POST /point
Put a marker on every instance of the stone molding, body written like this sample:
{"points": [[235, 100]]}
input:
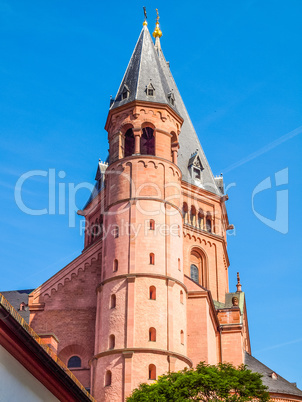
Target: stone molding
{"points": [[142, 350], [137, 110], [188, 228], [143, 158], [131, 277], [81, 263]]}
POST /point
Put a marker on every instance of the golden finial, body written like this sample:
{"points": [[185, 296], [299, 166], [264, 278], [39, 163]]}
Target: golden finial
{"points": [[145, 23], [157, 32]]}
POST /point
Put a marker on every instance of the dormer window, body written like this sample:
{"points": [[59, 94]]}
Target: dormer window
{"points": [[125, 92], [171, 98], [150, 90], [195, 167], [196, 173]]}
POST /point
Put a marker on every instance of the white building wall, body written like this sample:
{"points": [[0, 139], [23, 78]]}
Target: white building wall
{"points": [[18, 384]]}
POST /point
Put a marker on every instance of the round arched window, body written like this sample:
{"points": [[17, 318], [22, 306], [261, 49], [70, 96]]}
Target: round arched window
{"points": [[74, 362], [194, 273]]}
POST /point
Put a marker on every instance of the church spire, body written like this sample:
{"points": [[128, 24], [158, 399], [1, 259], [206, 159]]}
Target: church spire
{"points": [[148, 78], [144, 79]]}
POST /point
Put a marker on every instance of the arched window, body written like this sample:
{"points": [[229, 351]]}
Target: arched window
{"points": [[152, 292], [112, 301], [97, 227], [92, 233], [179, 265], [129, 143], [209, 224], [147, 142], [22, 306], [152, 372], [115, 265], [111, 342], [152, 224], [152, 259], [101, 225], [74, 362], [198, 267], [115, 232], [181, 296], [194, 273], [108, 378], [185, 212], [182, 337], [174, 147], [152, 334]]}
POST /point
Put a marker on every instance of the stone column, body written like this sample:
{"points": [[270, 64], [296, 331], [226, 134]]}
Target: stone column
{"points": [[137, 140], [175, 148]]}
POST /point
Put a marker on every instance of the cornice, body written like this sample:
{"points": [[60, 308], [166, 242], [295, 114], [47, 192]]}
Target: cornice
{"points": [[136, 103], [141, 275], [81, 263], [142, 350]]}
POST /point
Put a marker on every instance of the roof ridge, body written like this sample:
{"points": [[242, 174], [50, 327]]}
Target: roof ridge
{"points": [[210, 180], [126, 71], [145, 28]]}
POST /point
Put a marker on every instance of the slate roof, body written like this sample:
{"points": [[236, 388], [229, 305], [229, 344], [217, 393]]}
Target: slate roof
{"points": [[188, 139], [143, 68], [279, 385], [16, 297], [148, 64]]}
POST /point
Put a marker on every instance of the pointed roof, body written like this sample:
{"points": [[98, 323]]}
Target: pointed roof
{"points": [[144, 71], [189, 144], [148, 65]]}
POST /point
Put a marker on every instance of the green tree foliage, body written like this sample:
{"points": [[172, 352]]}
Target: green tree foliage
{"points": [[206, 383]]}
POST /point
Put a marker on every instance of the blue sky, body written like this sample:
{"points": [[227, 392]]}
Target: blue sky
{"points": [[238, 67]]}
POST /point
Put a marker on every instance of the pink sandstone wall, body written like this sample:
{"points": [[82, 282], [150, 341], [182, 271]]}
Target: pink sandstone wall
{"points": [[213, 351], [232, 348], [197, 349], [112, 320], [150, 313], [113, 392], [69, 313]]}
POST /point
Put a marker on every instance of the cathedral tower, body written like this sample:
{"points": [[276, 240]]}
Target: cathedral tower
{"points": [[149, 294], [141, 302]]}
